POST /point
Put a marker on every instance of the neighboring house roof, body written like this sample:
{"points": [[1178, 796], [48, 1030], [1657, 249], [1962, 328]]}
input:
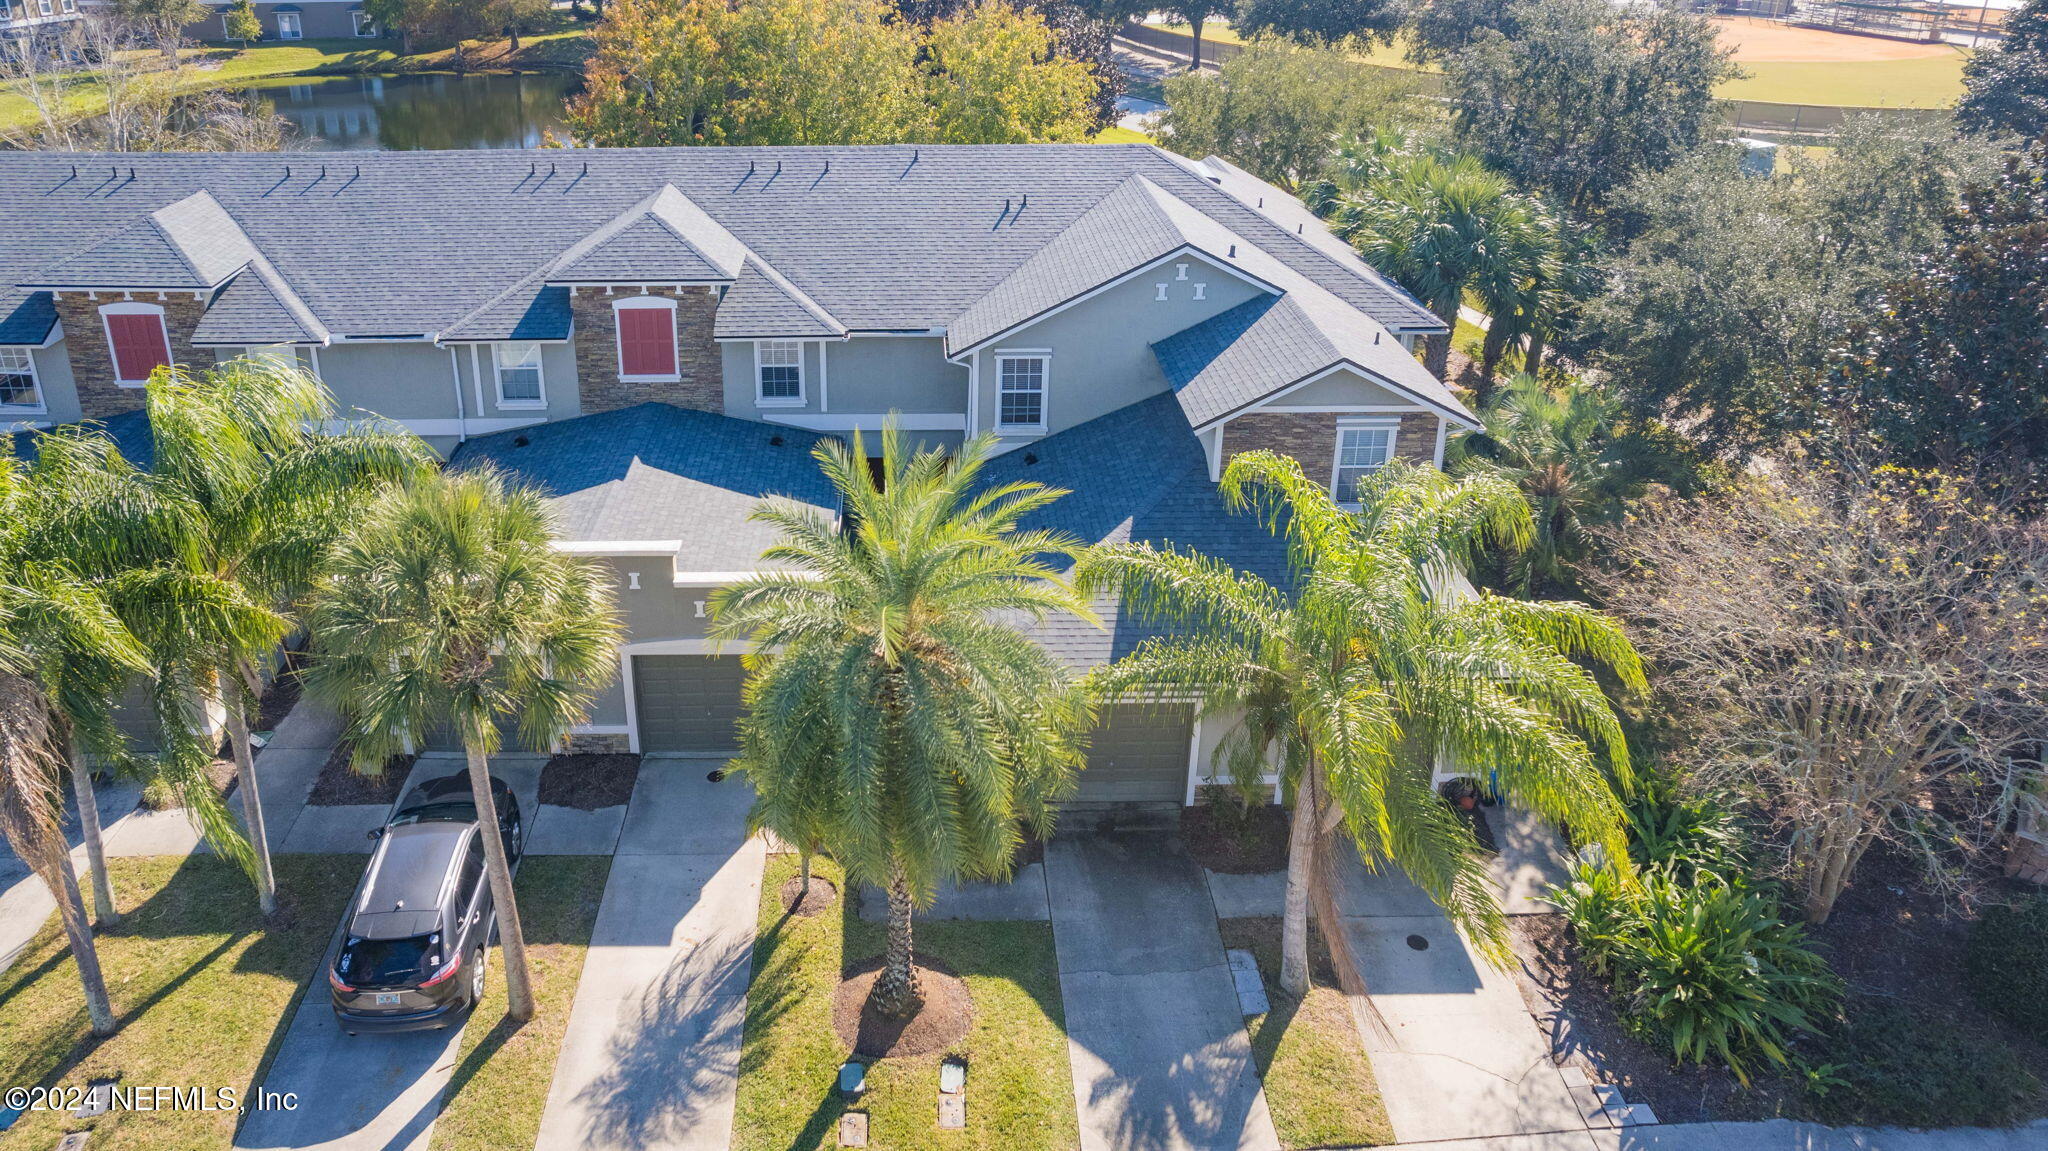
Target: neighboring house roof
{"points": [[255, 308], [129, 430], [26, 317], [1237, 358], [190, 244], [762, 302], [1136, 475], [889, 238], [655, 472]]}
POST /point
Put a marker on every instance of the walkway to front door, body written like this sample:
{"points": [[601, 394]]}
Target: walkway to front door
{"points": [[1154, 1030]]}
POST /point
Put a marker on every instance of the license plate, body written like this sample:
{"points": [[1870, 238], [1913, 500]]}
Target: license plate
{"points": [[387, 999]]}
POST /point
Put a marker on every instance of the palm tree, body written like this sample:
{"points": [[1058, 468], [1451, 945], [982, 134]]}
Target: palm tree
{"points": [[1564, 449], [1361, 677], [445, 602], [1442, 224], [264, 491], [50, 617], [894, 708]]}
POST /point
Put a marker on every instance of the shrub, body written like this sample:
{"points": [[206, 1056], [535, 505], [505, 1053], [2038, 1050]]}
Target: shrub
{"points": [[1684, 835], [1709, 967], [1890, 1066], [2007, 962]]}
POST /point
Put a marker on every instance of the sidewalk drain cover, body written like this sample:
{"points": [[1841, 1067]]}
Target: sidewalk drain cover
{"points": [[1418, 943]]}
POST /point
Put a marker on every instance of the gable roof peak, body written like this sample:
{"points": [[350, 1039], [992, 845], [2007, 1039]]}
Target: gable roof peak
{"points": [[191, 243], [664, 237]]}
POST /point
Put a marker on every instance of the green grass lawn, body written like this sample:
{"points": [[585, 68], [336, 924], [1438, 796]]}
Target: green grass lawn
{"points": [[201, 986], [502, 1073], [1020, 1094], [1117, 135], [1319, 1083], [1931, 82]]}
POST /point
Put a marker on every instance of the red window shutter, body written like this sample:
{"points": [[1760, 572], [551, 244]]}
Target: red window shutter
{"points": [[139, 347], [647, 342]]}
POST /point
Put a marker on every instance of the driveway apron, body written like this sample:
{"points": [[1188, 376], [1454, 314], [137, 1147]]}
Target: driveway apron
{"points": [[651, 1058], [1154, 1034]]}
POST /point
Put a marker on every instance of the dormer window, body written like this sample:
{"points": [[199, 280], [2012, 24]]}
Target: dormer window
{"points": [[647, 339], [139, 341], [779, 373], [19, 389], [519, 375]]}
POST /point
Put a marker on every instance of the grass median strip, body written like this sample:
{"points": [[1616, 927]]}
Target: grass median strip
{"points": [[1019, 1090], [1319, 1082], [202, 987], [502, 1073]]}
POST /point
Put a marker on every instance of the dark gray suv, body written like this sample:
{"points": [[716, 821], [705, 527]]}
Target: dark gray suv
{"points": [[413, 955]]}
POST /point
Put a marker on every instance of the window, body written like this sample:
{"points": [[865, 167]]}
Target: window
{"points": [[1360, 451], [6, 10], [779, 372], [135, 333], [71, 5], [364, 25], [519, 376], [1020, 392], [283, 355], [43, 6], [287, 25], [647, 338], [18, 388]]}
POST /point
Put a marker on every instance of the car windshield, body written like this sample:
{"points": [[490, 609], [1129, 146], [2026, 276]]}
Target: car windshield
{"points": [[451, 811], [387, 962]]}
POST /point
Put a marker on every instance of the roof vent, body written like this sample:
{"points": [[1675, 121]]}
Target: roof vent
{"points": [[1030, 458], [1233, 251], [774, 441], [520, 441]]}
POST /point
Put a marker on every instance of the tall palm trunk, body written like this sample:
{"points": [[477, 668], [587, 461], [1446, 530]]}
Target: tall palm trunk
{"points": [[78, 933], [1436, 354], [1301, 858], [897, 992], [511, 936], [252, 799], [95, 843]]}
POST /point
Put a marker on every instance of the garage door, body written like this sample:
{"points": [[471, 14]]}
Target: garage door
{"points": [[687, 702], [1139, 755]]}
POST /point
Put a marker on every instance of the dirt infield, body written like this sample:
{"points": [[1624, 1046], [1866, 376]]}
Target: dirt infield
{"points": [[1767, 41]]}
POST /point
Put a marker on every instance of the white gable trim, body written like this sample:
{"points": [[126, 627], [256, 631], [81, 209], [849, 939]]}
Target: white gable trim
{"points": [[1266, 401]]}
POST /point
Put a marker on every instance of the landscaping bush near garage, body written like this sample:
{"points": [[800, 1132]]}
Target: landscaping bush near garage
{"points": [[1319, 1082], [341, 785], [1887, 1064], [500, 1084], [202, 986], [1020, 1094]]}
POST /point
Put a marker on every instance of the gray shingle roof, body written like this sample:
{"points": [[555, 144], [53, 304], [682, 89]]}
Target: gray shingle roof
{"points": [[890, 238], [129, 430], [764, 303], [257, 307], [530, 310], [658, 472], [191, 243]]}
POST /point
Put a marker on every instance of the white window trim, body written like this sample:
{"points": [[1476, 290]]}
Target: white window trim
{"points": [[42, 404], [619, 339], [1391, 427], [362, 21], [298, 31], [498, 378], [44, 7], [802, 396], [107, 333], [1044, 390]]}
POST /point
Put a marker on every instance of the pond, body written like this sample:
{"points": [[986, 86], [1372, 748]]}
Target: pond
{"points": [[420, 110]]}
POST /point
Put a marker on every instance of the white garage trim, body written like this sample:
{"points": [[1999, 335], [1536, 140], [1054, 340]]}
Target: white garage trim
{"points": [[661, 647]]}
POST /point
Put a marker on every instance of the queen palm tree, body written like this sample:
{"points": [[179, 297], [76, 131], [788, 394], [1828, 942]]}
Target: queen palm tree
{"points": [[446, 603], [267, 473], [895, 713], [1358, 679], [1442, 224]]}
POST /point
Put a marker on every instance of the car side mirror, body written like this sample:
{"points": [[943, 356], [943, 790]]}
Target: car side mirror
{"points": [[375, 833]]}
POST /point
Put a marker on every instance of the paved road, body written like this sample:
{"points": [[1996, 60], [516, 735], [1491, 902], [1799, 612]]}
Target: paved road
{"points": [[651, 1058], [1774, 1135], [1158, 1047]]}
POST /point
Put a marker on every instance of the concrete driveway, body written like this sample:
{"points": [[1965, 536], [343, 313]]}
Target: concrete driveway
{"points": [[1158, 1047], [651, 1058]]}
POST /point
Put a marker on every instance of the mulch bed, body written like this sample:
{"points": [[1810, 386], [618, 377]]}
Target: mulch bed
{"points": [[822, 894], [589, 782], [1224, 838], [945, 1019], [340, 785], [1887, 938], [281, 695]]}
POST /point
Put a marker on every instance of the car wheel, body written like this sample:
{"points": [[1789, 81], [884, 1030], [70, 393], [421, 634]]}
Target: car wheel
{"points": [[476, 977]]}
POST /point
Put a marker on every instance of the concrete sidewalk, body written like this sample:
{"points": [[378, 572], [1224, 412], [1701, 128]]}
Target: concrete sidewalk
{"points": [[651, 1058], [1772, 1135], [1154, 1030]]}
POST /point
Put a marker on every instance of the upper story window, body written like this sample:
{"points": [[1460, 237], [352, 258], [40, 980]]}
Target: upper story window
{"points": [[18, 386], [140, 343], [43, 7], [1020, 391], [779, 372], [6, 10], [365, 26], [71, 5], [647, 338], [519, 376], [1361, 450]]}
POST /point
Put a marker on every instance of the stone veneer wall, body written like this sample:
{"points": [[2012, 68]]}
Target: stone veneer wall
{"points": [[92, 361], [2027, 859], [1311, 438], [702, 385], [598, 743]]}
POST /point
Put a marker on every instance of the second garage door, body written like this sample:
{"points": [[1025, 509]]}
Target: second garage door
{"points": [[687, 702], [1139, 755]]}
